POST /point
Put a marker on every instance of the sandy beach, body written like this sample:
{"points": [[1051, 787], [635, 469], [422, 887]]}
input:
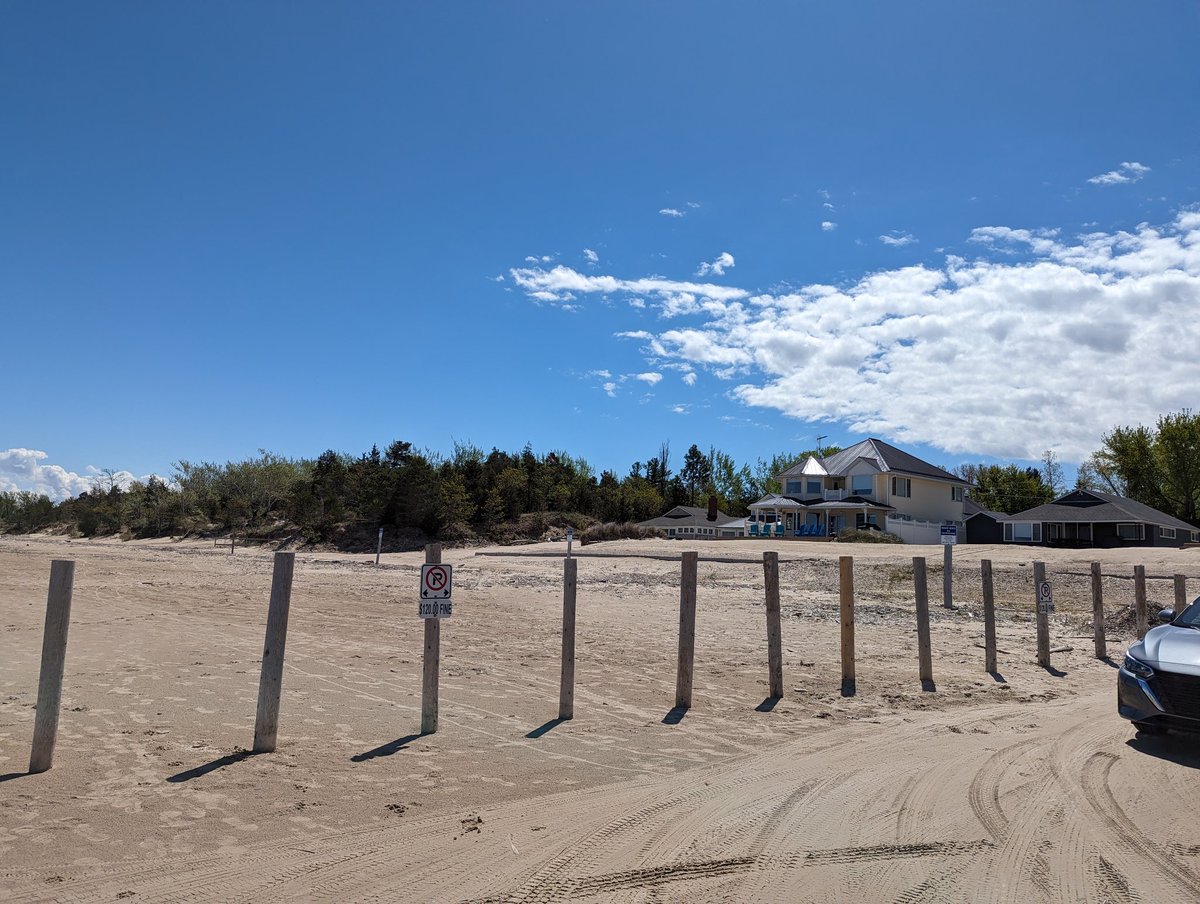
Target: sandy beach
{"points": [[1023, 786]]}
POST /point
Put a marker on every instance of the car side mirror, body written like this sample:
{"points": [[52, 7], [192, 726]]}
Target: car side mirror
{"points": [[1166, 616]]}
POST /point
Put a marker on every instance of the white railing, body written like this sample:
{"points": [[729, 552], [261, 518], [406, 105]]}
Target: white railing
{"points": [[925, 533], [835, 495]]}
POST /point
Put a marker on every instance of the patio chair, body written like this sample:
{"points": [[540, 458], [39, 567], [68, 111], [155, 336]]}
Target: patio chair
{"points": [[779, 528], [754, 528]]}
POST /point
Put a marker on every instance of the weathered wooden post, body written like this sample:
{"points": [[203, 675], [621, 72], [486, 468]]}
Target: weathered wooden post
{"points": [[846, 606], [54, 660], [924, 652], [989, 618], [431, 662], [1180, 593], [379, 546], [1043, 615], [1139, 599], [270, 682], [774, 629], [566, 686], [947, 573], [687, 631], [1098, 612]]}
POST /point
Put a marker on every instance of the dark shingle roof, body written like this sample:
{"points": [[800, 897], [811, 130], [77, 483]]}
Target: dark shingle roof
{"points": [[1083, 506], [688, 515], [971, 508]]}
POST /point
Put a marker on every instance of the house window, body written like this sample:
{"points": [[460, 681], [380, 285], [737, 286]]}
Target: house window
{"points": [[1022, 532], [901, 486], [1130, 531], [814, 488], [956, 494], [794, 488], [862, 485], [1167, 533], [1054, 531]]}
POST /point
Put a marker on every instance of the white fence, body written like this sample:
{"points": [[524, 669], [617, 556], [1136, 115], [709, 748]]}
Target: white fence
{"points": [[920, 532]]}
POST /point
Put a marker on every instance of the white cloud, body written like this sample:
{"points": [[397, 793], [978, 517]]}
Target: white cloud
{"points": [[672, 296], [1000, 356], [897, 239], [592, 256], [679, 409], [693, 205], [671, 212], [828, 226], [651, 379], [497, 278], [611, 389], [1126, 172], [25, 470], [718, 267], [690, 378]]}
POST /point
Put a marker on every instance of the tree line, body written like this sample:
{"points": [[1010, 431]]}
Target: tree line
{"points": [[466, 493], [472, 493]]}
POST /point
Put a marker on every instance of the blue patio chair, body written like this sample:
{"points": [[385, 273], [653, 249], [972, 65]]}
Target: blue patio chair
{"points": [[754, 528], [779, 528]]}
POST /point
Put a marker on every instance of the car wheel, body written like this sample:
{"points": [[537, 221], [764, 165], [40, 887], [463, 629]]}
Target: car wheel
{"points": [[1147, 728]]}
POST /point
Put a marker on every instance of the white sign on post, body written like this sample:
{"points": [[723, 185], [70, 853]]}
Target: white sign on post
{"points": [[949, 534], [435, 600], [1045, 597]]}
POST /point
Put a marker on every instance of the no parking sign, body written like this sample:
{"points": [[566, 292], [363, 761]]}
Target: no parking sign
{"points": [[436, 581], [1045, 597]]}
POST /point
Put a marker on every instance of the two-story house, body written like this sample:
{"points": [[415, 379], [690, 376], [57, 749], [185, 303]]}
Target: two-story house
{"points": [[871, 483]]}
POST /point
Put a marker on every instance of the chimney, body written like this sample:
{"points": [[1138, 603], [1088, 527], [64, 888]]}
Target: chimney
{"points": [[712, 508]]}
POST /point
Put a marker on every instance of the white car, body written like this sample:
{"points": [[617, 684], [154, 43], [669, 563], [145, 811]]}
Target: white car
{"points": [[1158, 685]]}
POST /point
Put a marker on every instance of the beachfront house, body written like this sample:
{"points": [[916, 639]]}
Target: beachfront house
{"points": [[1084, 518], [870, 485], [690, 522]]}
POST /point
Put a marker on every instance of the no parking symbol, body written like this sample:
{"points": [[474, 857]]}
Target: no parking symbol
{"points": [[436, 581]]}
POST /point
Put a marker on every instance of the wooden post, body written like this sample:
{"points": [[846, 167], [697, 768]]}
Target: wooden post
{"points": [[54, 660], [687, 631], [270, 682], [379, 546], [1043, 618], [433, 656], [1180, 593], [1139, 599], [989, 618], [948, 575], [231, 538], [774, 630], [924, 651], [566, 686], [846, 600], [1098, 612]]}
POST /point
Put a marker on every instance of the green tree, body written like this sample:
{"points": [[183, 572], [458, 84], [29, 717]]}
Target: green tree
{"points": [[1009, 489]]}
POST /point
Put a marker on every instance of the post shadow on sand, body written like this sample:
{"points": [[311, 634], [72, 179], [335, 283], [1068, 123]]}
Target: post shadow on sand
{"points": [[998, 678], [1108, 660], [675, 716], [767, 705], [9, 776], [545, 727], [928, 686], [848, 687], [387, 749], [1055, 673], [219, 763]]}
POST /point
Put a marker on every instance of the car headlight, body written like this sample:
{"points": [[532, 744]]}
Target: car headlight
{"points": [[1134, 667]]}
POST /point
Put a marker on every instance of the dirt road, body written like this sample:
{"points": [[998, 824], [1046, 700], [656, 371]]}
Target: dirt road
{"points": [[1023, 786]]}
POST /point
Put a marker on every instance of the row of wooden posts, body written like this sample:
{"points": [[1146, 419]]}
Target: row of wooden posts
{"points": [[266, 723]]}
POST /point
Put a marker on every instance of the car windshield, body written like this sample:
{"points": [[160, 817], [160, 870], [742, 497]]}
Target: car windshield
{"points": [[1189, 617]]}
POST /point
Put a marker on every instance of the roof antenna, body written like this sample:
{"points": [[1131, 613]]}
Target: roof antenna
{"points": [[819, 438]]}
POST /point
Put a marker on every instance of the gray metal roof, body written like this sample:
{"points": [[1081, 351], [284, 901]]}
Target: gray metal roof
{"points": [[884, 456]]}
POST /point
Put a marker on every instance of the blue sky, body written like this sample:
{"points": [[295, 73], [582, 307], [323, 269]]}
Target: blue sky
{"points": [[968, 229]]}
